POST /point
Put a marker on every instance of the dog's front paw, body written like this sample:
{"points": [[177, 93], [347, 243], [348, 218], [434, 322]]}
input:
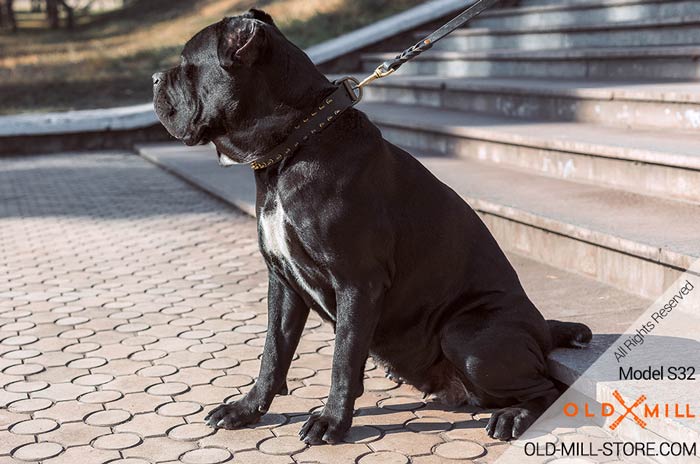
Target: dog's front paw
{"points": [[509, 423], [322, 428], [233, 415]]}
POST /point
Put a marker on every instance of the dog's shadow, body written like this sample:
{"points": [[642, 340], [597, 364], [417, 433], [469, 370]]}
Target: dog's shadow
{"points": [[432, 418]]}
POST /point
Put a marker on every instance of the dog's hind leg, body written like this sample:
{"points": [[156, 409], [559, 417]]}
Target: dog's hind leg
{"points": [[502, 367]]}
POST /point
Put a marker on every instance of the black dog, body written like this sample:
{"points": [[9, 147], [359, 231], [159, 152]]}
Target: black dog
{"points": [[358, 230]]}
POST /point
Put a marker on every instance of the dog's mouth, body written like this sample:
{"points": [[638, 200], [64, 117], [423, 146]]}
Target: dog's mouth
{"points": [[196, 137]]}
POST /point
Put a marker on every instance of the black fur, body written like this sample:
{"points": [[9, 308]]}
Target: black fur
{"points": [[358, 230]]}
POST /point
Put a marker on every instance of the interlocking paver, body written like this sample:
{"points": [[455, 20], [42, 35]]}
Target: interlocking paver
{"points": [[256, 457], [37, 451], [33, 427], [85, 454], [384, 457], [460, 450], [29, 405], [75, 434], [68, 411], [100, 397], [116, 441], [346, 453], [206, 456], [178, 409], [159, 449], [406, 443], [131, 303], [149, 424], [108, 418]]}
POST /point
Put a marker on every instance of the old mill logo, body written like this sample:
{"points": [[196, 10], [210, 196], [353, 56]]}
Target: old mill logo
{"points": [[639, 410]]}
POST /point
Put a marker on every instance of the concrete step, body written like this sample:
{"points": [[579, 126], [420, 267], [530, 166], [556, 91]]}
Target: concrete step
{"points": [[602, 11], [619, 238], [650, 32], [658, 105], [649, 63], [647, 162]]}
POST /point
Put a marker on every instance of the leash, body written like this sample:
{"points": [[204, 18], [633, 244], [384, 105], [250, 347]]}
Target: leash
{"points": [[349, 91], [389, 67]]}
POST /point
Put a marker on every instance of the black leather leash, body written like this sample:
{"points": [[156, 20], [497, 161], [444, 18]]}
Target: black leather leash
{"points": [[389, 67], [349, 91]]}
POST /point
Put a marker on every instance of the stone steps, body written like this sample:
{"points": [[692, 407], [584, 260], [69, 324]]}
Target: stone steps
{"points": [[592, 12], [618, 63], [572, 218], [619, 238], [654, 105], [649, 32], [648, 162]]}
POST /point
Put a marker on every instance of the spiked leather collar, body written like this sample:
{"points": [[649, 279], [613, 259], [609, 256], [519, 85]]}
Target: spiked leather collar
{"points": [[345, 96]]}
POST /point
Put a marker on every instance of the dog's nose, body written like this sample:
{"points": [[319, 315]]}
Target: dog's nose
{"points": [[157, 78]]}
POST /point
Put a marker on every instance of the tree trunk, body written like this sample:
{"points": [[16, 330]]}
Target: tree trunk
{"points": [[69, 13], [52, 14], [10, 12]]}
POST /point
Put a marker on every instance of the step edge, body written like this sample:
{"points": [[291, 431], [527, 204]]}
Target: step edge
{"points": [[592, 5], [674, 160], [520, 87], [570, 54], [662, 23], [651, 253]]}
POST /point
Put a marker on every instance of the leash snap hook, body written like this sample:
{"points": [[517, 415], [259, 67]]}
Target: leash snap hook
{"points": [[379, 73]]}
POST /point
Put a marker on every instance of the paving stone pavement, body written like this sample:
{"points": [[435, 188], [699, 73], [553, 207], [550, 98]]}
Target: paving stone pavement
{"points": [[132, 303]]}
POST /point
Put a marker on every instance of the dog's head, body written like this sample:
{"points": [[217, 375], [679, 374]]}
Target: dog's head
{"points": [[232, 85]]}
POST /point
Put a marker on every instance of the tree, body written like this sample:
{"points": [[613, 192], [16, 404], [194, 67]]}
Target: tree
{"points": [[52, 13], [10, 12], [7, 13]]}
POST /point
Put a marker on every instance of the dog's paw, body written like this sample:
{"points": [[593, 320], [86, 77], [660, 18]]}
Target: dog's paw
{"points": [[233, 415], [320, 428], [509, 423]]}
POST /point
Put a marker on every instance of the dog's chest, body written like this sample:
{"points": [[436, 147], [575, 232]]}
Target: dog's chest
{"points": [[276, 235]]}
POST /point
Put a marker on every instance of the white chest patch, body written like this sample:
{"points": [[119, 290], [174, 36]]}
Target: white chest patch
{"points": [[275, 242]]}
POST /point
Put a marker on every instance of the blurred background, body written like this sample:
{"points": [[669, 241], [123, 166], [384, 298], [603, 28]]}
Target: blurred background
{"points": [[78, 54]]}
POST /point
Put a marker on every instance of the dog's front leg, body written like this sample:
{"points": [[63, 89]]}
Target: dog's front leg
{"points": [[356, 320], [287, 315]]}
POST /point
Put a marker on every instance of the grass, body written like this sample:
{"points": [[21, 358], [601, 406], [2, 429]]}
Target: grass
{"points": [[107, 60]]}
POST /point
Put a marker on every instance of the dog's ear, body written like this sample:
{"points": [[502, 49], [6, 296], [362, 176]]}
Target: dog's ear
{"points": [[242, 42], [260, 15]]}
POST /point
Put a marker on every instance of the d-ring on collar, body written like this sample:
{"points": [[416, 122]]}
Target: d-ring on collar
{"points": [[345, 96]]}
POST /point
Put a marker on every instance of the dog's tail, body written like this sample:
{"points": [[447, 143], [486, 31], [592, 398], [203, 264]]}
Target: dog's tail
{"points": [[569, 334]]}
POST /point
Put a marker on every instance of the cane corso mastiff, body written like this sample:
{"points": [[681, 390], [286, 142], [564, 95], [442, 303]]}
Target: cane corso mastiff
{"points": [[357, 230]]}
